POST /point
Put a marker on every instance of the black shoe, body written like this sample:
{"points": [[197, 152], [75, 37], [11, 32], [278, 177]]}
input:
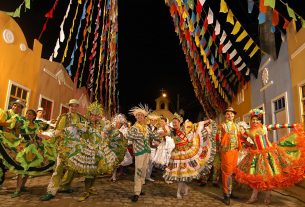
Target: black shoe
{"points": [[216, 185], [142, 193], [226, 200], [46, 197], [134, 198], [233, 196]]}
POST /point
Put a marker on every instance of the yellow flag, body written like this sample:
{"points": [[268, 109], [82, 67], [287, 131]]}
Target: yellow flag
{"points": [[249, 43], [230, 17], [179, 2], [241, 36], [254, 51], [197, 41], [184, 15], [223, 6], [236, 28]]}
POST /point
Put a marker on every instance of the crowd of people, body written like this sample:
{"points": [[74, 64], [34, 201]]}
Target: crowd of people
{"points": [[90, 145]]}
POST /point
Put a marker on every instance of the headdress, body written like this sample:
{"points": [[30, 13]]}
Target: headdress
{"points": [[256, 112], [95, 108], [140, 109], [177, 116], [153, 116], [230, 109], [119, 118]]}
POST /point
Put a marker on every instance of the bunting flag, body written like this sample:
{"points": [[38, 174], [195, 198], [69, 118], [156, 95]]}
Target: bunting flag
{"points": [[48, 15], [61, 37], [16, 13]]}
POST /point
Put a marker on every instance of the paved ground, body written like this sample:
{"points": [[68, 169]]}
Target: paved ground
{"points": [[117, 194]]}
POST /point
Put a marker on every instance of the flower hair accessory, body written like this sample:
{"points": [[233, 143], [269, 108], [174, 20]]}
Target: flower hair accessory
{"points": [[257, 112], [144, 109], [119, 118], [95, 108], [177, 116]]}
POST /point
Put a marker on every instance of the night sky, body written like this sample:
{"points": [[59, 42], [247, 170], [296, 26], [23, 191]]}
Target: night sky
{"points": [[150, 56]]}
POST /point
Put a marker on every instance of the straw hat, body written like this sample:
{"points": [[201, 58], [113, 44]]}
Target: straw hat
{"points": [[73, 101], [19, 102], [39, 109], [139, 109], [230, 109]]}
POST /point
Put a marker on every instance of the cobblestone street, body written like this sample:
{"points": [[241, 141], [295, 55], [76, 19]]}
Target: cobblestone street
{"points": [[118, 193]]}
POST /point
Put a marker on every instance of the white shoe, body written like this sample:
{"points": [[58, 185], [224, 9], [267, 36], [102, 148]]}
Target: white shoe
{"points": [[168, 182], [179, 196], [150, 179]]}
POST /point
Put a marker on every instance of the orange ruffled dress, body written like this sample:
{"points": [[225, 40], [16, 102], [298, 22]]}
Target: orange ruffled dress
{"points": [[273, 165]]}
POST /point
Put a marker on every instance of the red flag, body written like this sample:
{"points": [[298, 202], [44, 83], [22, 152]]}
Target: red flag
{"points": [[286, 23], [275, 18], [262, 7]]}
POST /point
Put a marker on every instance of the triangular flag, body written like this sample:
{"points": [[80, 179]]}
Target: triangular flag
{"points": [[28, 4], [285, 24], [241, 36], [275, 17], [210, 16], [217, 28], [236, 28], [223, 6], [17, 12], [261, 18], [230, 17], [248, 44], [254, 51], [272, 29], [250, 6], [291, 13], [262, 7], [191, 4], [270, 3], [202, 2]]}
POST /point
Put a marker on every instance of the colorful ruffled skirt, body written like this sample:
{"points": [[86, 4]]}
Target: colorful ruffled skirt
{"points": [[86, 152], [194, 159], [279, 166], [23, 156]]}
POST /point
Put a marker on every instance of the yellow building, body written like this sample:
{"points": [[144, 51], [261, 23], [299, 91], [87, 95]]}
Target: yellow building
{"points": [[296, 51], [28, 77]]}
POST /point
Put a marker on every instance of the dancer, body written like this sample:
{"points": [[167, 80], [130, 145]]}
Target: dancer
{"points": [[140, 134], [119, 123], [72, 118], [230, 144], [268, 166], [192, 156], [165, 148]]}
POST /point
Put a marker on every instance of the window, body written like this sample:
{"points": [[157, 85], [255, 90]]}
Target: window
{"points": [[279, 115], [18, 92], [240, 97], [47, 105]]}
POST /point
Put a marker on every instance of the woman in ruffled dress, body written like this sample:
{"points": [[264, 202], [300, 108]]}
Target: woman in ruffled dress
{"points": [[192, 156], [165, 148], [269, 165]]}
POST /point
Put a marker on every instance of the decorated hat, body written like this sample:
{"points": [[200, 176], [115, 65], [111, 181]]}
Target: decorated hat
{"points": [[95, 108], [19, 102], [140, 109], [177, 116], [230, 109], [39, 109], [153, 116], [73, 101], [256, 112]]}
